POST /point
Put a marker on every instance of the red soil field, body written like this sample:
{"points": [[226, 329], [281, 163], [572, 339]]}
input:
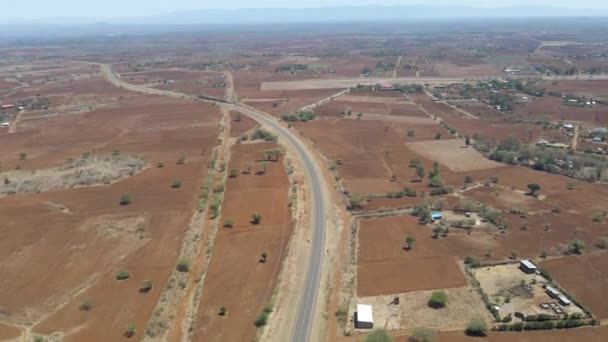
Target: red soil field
{"points": [[240, 124], [589, 88], [498, 130], [552, 107], [332, 109], [371, 150], [8, 332], [384, 267], [81, 246], [235, 278], [585, 278]]}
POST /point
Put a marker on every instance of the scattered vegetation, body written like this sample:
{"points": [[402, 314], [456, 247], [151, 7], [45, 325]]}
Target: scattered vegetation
{"points": [[123, 275], [378, 335], [176, 184], [183, 265], [125, 199], [477, 327], [262, 318], [256, 218], [438, 299]]}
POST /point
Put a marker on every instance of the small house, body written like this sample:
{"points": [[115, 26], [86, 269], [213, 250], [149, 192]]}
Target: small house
{"points": [[552, 292], [569, 127], [364, 318], [563, 300], [597, 139], [527, 266], [7, 106]]}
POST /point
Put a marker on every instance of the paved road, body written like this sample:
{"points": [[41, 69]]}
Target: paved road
{"points": [[302, 328]]}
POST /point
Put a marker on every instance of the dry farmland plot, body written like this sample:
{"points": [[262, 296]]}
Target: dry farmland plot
{"points": [[551, 107], [453, 154], [70, 243], [236, 278], [368, 152], [585, 278], [384, 267]]}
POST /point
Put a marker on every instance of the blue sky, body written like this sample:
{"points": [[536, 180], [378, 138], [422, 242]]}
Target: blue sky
{"points": [[33, 9]]}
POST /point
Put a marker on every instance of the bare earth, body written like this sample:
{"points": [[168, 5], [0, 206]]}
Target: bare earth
{"points": [[453, 154]]}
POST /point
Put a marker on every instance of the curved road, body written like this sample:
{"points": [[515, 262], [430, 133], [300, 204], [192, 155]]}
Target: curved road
{"points": [[302, 327]]}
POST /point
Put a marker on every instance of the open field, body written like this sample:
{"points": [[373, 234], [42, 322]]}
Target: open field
{"points": [[585, 277], [236, 278], [453, 154], [382, 256], [87, 234]]}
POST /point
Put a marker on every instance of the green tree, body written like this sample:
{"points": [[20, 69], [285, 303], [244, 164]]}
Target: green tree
{"points": [[228, 223], [22, 156], [438, 299], [378, 335], [409, 242], [131, 330], [183, 265], [467, 140], [437, 136], [420, 171], [234, 173], [125, 199], [477, 327], [222, 311], [576, 246], [263, 257], [146, 286], [123, 275], [176, 184], [534, 189], [256, 218]]}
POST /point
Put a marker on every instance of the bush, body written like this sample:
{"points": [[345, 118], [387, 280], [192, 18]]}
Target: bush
{"points": [[234, 173], [444, 190], [423, 335], [228, 223], [576, 246], [222, 311], [131, 330], [378, 335], [438, 299], [477, 327], [146, 286], [22, 156], [468, 179], [87, 305], [256, 218], [472, 261], [435, 182], [123, 275], [181, 160], [176, 184], [262, 318], [411, 133], [183, 265], [125, 199]]}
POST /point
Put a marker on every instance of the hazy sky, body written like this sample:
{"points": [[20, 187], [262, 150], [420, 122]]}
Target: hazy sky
{"points": [[30, 9]]}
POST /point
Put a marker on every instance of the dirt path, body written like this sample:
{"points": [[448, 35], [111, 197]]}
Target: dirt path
{"points": [[13, 127], [577, 131], [230, 95], [324, 101], [397, 65]]}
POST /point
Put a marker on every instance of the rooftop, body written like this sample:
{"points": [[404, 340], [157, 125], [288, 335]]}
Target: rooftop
{"points": [[364, 313]]}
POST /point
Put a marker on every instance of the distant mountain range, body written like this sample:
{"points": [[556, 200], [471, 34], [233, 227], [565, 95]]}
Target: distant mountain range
{"points": [[328, 14], [359, 13]]}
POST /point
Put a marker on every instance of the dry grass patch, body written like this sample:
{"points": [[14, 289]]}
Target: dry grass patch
{"points": [[454, 154], [82, 172]]}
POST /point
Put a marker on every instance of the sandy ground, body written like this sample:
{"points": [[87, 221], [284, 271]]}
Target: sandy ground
{"points": [[453, 154]]}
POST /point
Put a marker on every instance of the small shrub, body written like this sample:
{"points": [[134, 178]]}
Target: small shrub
{"points": [[438, 299], [131, 330], [222, 311], [262, 318], [468, 179], [411, 133], [176, 184], [423, 335], [256, 218], [181, 160], [378, 335], [477, 327], [22, 156], [472, 261], [146, 286], [576, 247], [228, 223], [87, 305], [123, 275], [183, 265], [125, 199], [160, 164], [234, 173], [602, 243], [263, 257]]}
